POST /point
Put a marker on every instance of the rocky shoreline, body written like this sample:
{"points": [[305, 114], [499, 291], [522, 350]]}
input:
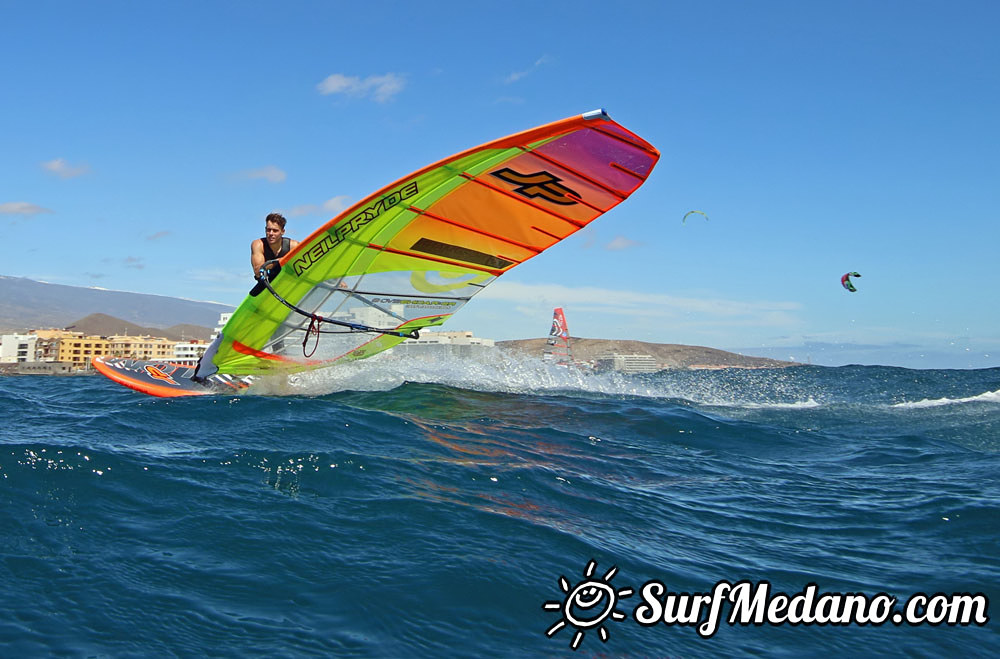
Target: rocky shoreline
{"points": [[668, 355]]}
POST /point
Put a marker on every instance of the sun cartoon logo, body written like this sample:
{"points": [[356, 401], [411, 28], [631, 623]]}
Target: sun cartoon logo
{"points": [[587, 605]]}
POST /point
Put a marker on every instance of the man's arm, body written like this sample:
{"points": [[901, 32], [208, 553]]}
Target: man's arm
{"points": [[292, 244], [256, 256]]}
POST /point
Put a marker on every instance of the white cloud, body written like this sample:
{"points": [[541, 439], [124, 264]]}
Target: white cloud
{"points": [[21, 208], [300, 210], [620, 243], [517, 75], [219, 275], [59, 167], [331, 206], [134, 262], [270, 173], [158, 235], [336, 204], [381, 88]]}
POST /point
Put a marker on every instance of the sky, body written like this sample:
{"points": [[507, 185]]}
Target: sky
{"points": [[142, 145]]}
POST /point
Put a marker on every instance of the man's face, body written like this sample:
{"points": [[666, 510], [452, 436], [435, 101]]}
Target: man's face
{"points": [[274, 232]]}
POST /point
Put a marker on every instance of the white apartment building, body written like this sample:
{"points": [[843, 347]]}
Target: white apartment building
{"points": [[17, 348], [460, 338], [434, 345], [223, 319], [189, 352], [627, 363]]}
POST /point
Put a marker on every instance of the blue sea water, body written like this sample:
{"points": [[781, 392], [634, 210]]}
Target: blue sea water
{"points": [[431, 510]]}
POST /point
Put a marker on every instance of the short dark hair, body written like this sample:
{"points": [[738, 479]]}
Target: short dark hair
{"points": [[277, 218]]}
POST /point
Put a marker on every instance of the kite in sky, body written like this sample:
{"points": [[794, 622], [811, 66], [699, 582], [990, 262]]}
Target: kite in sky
{"points": [[846, 282]]}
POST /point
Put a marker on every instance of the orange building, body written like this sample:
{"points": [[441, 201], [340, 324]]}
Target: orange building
{"points": [[80, 350], [149, 348]]}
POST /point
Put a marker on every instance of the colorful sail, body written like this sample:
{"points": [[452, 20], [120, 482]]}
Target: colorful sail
{"points": [[412, 254]]}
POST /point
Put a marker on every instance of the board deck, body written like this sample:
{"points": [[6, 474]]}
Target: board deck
{"points": [[166, 379]]}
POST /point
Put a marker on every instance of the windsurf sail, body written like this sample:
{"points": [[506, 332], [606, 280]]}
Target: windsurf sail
{"points": [[412, 254], [559, 348]]}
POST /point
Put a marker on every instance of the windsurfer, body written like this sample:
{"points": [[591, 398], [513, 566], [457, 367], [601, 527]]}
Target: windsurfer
{"points": [[272, 246]]}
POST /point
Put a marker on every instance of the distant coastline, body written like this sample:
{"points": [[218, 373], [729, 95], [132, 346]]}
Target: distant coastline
{"points": [[668, 355], [585, 350], [27, 304]]}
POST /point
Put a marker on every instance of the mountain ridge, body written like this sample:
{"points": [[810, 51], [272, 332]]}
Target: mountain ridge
{"points": [[100, 324], [30, 304]]}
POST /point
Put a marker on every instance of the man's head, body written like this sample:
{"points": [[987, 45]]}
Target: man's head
{"points": [[274, 228]]}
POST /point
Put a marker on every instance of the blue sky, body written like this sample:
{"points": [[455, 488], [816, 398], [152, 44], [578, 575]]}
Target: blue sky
{"points": [[144, 143]]}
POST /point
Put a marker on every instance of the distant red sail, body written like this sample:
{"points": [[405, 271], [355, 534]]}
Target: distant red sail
{"points": [[559, 328], [560, 352]]}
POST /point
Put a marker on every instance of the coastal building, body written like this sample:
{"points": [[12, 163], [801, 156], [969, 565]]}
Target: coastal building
{"points": [[435, 345], [626, 363], [189, 352], [223, 319], [462, 337], [147, 348], [42, 368], [67, 351], [47, 343], [79, 350], [55, 333], [46, 350], [17, 348]]}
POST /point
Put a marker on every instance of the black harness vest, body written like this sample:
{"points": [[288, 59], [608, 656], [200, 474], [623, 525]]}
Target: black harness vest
{"points": [[269, 255]]}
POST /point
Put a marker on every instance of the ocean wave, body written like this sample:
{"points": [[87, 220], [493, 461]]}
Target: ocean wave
{"points": [[796, 405], [412, 511]]}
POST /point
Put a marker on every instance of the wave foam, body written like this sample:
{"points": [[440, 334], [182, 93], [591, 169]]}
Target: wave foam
{"points": [[504, 373], [519, 374], [988, 397]]}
